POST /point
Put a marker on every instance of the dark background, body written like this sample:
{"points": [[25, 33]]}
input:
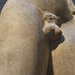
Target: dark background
{"points": [[2, 2], [73, 1]]}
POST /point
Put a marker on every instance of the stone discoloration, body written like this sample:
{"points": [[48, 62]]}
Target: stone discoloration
{"points": [[63, 55], [57, 7], [23, 47], [50, 27]]}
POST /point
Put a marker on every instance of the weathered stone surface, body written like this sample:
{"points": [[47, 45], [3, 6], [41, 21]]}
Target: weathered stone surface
{"points": [[71, 5], [63, 51], [58, 7], [23, 48]]}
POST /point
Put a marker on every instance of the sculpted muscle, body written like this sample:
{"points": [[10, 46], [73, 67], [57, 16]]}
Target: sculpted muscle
{"points": [[58, 7], [23, 47], [50, 27]]}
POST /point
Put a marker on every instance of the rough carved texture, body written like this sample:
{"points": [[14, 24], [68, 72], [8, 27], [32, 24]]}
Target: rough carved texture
{"points": [[50, 27], [24, 49], [63, 51], [58, 7]]}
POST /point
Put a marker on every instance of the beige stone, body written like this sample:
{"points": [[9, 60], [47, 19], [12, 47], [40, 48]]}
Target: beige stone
{"points": [[71, 5], [63, 51], [50, 26], [58, 7], [23, 47]]}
